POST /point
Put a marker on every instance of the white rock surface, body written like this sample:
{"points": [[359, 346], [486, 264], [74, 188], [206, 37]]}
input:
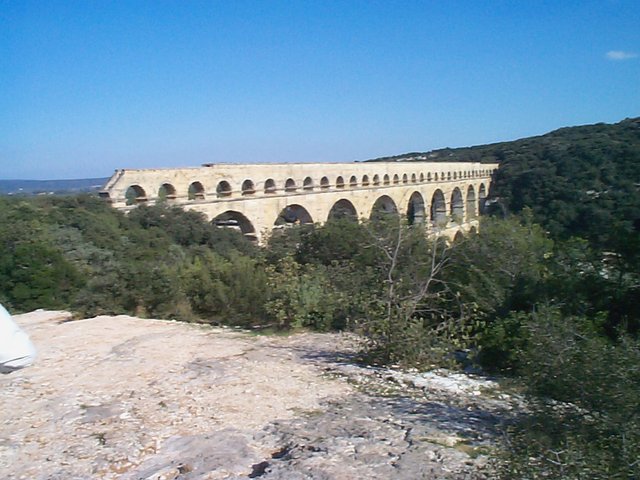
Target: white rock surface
{"points": [[127, 398], [108, 393]]}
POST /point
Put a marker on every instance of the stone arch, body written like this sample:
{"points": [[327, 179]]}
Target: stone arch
{"points": [[340, 182], [455, 175], [405, 178], [135, 194], [421, 177], [166, 192], [353, 181], [270, 186], [324, 182], [223, 189], [383, 205], [457, 206], [343, 209], [236, 221], [376, 179], [414, 179], [482, 198], [248, 188], [473, 231], [428, 176], [386, 180], [438, 209], [195, 191], [290, 185], [448, 175], [293, 215], [436, 176], [365, 180], [307, 184], [458, 237], [471, 203], [415, 209], [396, 179]]}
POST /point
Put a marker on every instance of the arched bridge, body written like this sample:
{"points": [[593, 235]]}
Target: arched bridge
{"points": [[446, 197]]}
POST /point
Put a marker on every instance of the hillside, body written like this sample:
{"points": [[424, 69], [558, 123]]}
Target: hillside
{"points": [[581, 180]]}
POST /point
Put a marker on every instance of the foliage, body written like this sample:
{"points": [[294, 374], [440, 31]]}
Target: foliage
{"points": [[502, 267], [380, 278], [284, 242], [578, 181], [301, 296], [190, 228], [411, 316], [585, 419], [225, 291], [33, 273], [339, 240], [78, 252]]}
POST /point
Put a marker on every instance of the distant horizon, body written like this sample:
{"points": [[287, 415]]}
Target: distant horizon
{"points": [[52, 179]]}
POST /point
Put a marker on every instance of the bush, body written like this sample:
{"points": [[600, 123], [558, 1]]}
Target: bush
{"points": [[585, 421], [301, 296], [225, 291]]}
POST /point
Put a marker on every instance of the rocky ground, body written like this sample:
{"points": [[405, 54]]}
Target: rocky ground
{"points": [[122, 397]]}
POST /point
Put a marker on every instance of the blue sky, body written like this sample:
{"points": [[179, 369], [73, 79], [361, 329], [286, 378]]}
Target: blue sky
{"points": [[90, 86]]}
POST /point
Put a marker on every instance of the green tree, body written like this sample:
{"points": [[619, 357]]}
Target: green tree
{"points": [[583, 419], [302, 296], [227, 291]]}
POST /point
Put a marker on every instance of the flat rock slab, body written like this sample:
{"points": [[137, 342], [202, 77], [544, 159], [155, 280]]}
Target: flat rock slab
{"points": [[130, 398], [108, 394]]}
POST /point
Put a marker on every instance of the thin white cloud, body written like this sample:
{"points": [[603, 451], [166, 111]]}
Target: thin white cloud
{"points": [[618, 55]]}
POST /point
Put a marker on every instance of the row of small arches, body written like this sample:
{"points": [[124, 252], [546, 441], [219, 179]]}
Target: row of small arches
{"points": [[196, 191], [437, 215]]}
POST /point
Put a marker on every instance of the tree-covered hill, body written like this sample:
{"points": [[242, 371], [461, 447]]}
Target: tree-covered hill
{"points": [[581, 180]]}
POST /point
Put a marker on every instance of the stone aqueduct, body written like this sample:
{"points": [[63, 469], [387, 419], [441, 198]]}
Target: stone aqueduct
{"points": [[444, 197]]}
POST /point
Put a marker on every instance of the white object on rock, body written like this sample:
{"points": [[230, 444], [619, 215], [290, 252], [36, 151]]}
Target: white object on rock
{"points": [[16, 350]]}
